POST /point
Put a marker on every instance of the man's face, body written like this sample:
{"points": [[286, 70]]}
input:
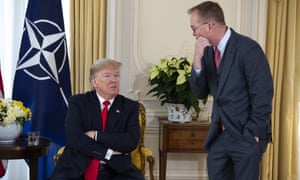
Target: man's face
{"points": [[107, 82], [198, 26]]}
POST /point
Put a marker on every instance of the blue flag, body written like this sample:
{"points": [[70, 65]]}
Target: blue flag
{"points": [[42, 79]]}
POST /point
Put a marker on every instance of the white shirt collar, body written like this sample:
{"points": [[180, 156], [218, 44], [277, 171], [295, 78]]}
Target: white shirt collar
{"points": [[222, 44], [101, 100]]}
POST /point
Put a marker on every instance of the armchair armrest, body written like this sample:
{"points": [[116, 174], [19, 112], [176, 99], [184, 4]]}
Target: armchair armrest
{"points": [[149, 157]]}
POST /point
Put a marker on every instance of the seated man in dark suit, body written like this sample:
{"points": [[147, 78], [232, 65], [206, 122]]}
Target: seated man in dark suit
{"points": [[95, 148]]}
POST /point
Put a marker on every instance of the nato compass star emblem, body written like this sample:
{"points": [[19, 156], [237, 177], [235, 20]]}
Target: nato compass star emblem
{"points": [[45, 54]]}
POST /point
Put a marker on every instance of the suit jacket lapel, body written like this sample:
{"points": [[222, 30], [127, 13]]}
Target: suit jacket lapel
{"points": [[228, 58], [96, 110], [114, 113]]}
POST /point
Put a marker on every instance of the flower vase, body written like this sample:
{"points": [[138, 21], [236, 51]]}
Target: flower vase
{"points": [[178, 113], [10, 132]]}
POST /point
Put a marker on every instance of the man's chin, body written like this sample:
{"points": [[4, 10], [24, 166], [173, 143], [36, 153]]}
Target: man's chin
{"points": [[114, 93]]}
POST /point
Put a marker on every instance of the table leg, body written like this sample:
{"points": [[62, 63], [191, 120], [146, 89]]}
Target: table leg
{"points": [[33, 167], [162, 165]]}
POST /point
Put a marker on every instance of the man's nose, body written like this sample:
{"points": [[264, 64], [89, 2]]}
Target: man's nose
{"points": [[114, 79]]}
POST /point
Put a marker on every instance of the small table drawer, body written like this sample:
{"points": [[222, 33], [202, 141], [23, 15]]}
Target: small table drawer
{"points": [[181, 139]]}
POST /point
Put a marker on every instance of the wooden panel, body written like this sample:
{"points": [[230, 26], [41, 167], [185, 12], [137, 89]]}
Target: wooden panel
{"points": [[186, 138]]}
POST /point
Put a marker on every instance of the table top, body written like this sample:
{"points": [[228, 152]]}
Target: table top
{"points": [[20, 148], [164, 121]]}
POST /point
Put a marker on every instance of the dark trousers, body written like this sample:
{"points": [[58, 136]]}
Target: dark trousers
{"points": [[107, 173], [234, 158]]}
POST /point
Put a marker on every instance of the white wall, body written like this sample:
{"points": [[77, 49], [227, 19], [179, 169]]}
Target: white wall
{"points": [[140, 32]]}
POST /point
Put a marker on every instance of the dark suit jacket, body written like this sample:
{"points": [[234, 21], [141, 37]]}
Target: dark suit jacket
{"points": [[122, 134], [242, 88]]}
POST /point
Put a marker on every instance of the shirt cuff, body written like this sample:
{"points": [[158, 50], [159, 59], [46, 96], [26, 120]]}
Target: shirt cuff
{"points": [[197, 71], [96, 136], [108, 154]]}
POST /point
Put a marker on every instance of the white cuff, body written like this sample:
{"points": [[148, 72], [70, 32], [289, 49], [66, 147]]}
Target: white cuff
{"points": [[96, 136], [108, 154], [198, 71]]}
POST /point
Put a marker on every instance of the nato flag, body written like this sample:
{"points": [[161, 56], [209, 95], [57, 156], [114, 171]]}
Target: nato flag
{"points": [[42, 79]]}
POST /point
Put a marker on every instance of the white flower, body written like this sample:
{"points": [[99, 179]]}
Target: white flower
{"points": [[12, 110]]}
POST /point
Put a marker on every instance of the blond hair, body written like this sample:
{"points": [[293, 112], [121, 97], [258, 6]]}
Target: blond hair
{"points": [[102, 64]]}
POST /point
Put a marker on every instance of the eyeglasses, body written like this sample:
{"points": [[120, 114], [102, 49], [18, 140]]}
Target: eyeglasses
{"points": [[194, 29]]}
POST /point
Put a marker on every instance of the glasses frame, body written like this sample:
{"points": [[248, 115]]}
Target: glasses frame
{"points": [[194, 29]]}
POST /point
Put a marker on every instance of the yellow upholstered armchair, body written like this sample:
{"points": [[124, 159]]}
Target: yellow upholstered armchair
{"points": [[141, 154]]}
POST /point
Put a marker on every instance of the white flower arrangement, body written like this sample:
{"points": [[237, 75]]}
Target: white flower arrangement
{"points": [[13, 111]]}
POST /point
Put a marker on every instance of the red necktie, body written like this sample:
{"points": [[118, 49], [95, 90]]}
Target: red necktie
{"points": [[104, 114], [91, 172], [217, 57], [2, 170]]}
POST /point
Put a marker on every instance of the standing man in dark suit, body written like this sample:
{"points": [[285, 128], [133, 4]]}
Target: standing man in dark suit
{"points": [[89, 140], [241, 85]]}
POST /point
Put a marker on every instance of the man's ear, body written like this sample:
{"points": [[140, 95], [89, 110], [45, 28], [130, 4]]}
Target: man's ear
{"points": [[93, 82]]}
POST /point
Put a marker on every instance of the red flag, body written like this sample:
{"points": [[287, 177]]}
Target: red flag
{"points": [[2, 168], [1, 85]]}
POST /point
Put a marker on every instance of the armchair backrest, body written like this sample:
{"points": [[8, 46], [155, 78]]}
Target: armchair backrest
{"points": [[137, 156]]}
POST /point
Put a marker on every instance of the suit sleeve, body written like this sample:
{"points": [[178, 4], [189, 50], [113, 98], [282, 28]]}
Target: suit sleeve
{"points": [[198, 83], [126, 138], [75, 131], [260, 87]]}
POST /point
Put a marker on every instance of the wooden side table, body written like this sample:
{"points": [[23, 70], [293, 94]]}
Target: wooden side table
{"points": [[20, 150], [181, 138]]}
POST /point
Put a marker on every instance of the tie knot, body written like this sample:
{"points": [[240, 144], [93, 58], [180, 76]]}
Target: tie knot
{"points": [[106, 103]]}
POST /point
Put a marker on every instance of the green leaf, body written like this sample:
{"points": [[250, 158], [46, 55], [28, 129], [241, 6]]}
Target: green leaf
{"points": [[170, 83]]}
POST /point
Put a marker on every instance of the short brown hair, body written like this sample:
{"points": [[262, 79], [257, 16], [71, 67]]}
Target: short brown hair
{"points": [[102, 64], [209, 10]]}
